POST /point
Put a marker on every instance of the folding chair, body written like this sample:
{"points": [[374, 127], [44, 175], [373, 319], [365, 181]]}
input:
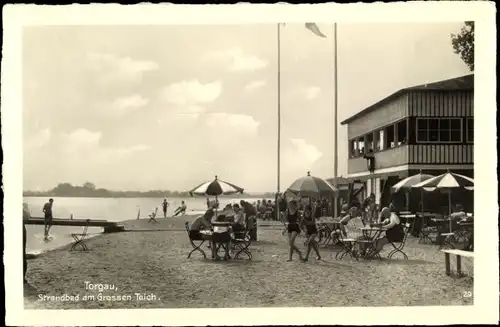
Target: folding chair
{"points": [[425, 232], [242, 241], [401, 245], [347, 248], [152, 216], [80, 238], [192, 240]]}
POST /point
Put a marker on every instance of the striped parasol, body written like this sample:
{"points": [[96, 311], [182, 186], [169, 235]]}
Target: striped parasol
{"points": [[447, 182], [215, 188], [409, 182], [311, 186]]}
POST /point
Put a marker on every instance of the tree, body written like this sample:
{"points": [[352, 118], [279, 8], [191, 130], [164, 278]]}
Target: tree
{"points": [[89, 185], [463, 44]]}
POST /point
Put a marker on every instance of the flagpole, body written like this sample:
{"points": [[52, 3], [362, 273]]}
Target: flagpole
{"points": [[335, 118], [279, 120]]}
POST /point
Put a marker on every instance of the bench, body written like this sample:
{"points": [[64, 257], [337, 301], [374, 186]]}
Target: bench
{"points": [[459, 254]]}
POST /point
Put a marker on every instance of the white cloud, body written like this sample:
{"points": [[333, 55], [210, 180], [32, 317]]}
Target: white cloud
{"points": [[123, 105], [300, 155], [115, 69], [191, 92], [312, 92], [238, 60], [233, 123], [254, 85], [39, 139], [83, 138]]}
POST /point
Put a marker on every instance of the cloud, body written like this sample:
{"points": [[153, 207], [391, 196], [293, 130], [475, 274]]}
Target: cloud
{"points": [[115, 69], [191, 92], [300, 155], [83, 138], [123, 105], [312, 92], [254, 85], [39, 139], [238, 60], [82, 143], [233, 123]]}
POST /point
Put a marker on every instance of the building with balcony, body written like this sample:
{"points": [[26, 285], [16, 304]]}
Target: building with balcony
{"points": [[428, 128]]}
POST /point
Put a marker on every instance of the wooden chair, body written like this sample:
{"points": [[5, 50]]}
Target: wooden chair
{"points": [[80, 238], [192, 240]]}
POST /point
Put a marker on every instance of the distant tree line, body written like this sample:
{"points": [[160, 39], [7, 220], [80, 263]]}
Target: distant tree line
{"points": [[90, 190]]}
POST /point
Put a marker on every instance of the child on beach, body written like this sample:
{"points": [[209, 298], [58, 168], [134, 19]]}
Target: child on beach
{"points": [[312, 231], [292, 216]]}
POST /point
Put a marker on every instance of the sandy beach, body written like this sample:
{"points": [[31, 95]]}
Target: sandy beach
{"points": [[148, 268]]}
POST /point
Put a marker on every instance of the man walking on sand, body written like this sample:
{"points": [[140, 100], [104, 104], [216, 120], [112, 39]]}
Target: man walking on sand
{"points": [[47, 210]]}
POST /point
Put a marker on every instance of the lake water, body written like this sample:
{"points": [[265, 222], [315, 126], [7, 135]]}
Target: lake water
{"points": [[111, 209]]}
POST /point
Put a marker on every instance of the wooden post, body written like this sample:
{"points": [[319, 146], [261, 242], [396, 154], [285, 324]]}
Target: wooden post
{"points": [[447, 263], [71, 217], [459, 266], [138, 213]]}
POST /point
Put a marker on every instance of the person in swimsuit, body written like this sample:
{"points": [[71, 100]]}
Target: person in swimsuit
{"points": [[394, 230], [181, 209], [312, 230], [292, 216], [47, 211], [165, 207]]}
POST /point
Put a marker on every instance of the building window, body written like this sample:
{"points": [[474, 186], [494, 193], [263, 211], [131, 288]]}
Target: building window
{"points": [[390, 137], [369, 142], [470, 130], [381, 140], [439, 130], [402, 133]]}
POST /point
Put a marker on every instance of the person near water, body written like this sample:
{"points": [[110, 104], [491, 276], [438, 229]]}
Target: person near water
{"points": [[292, 217], [181, 209], [165, 207], [310, 222], [26, 216], [47, 210]]}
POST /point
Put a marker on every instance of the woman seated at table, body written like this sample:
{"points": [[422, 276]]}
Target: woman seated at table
{"points": [[221, 235], [201, 223], [394, 230], [347, 215]]}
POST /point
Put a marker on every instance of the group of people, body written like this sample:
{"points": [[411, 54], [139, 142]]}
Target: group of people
{"points": [[180, 209], [352, 220], [222, 234]]}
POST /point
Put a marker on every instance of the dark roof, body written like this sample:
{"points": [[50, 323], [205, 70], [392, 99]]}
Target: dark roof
{"points": [[462, 83]]}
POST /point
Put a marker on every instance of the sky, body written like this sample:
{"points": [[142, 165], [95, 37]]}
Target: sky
{"points": [[168, 107]]}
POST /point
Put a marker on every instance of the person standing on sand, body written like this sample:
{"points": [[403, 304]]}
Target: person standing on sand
{"points": [[47, 210], [26, 216], [312, 231], [292, 216], [165, 207]]}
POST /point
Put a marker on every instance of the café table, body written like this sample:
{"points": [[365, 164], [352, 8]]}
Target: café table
{"points": [[371, 234], [326, 225]]}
